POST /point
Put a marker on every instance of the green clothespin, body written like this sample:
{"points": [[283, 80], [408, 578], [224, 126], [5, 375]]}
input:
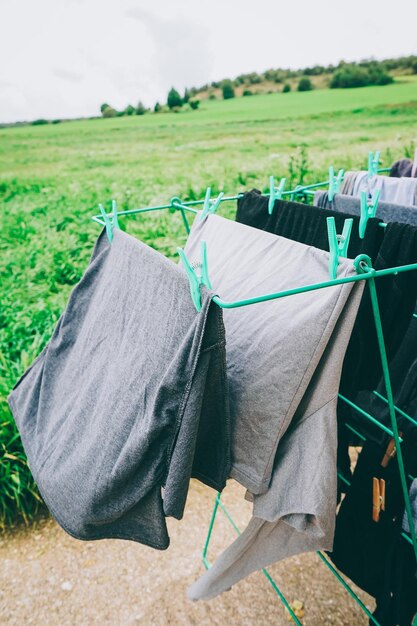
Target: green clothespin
{"points": [[194, 279], [210, 206], [110, 223], [373, 163], [275, 193], [334, 182], [338, 244], [369, 206]]}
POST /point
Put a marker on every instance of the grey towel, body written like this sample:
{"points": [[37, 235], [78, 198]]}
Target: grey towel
{"points": [[273, 348], [284, 362], [119, 402], [386, 211], [398, 190]]}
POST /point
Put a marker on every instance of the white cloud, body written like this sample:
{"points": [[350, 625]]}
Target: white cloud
{"points": [[63, 58]]}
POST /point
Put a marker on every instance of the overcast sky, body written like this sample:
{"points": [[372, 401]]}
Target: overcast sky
{"points": [[63, 58]]}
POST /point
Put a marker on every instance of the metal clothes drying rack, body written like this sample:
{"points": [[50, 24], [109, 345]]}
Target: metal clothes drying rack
{"points": [[364, 272]]}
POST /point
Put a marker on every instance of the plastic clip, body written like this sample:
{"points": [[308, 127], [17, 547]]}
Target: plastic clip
{"points": [[378, 497], [210, 206], [334, 182], [194, 279], [338, 244], [111, 223], [369, 205], [373, 163], [275, 193]]}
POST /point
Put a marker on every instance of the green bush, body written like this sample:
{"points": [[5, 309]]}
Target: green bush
{"points": [[286, 88], [228, 90], [174, 99], [194, 104], [109, 112], [39, 122], [349, 76], [157, 107], [140, 109], [305, 84], [247, 92]]}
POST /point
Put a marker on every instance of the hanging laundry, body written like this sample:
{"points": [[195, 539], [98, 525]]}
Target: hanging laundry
{"points": [[402, 167], [284, 360], [403, 375], [386, 211], [371, 552], [117, 404], [398, 190], [306, 224]]}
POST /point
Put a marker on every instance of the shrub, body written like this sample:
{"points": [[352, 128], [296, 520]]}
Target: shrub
{"points": [[305, 84], [140, 109], [247, 92], [39, 122], [109, 112], [157, 107], [129, 110], [212, 96], [228, 90], [348, 76], [174, 99], [286, 88], [194, 104]]}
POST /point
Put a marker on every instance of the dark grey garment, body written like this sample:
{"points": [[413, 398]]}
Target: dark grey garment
{"points": [[386, 211], [118, 403], [403, 167], [413, 502], [274, 347]]}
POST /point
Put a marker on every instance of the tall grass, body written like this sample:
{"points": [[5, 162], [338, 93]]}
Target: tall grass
{"points": [[52, 178]]}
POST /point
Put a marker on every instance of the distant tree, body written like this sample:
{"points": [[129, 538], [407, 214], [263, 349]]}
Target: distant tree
{"points": [[129, 110], [56, 121], [228, 90], [247, 92], [157, 107], [186, 96], [194, 104], [140, 109], [212, 96], [104, 106], [286, 88], [305, 84], [174, 99], [40, 122], [109, 112]]}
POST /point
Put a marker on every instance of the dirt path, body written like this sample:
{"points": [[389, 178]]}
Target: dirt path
{"points": [[48, 578]]}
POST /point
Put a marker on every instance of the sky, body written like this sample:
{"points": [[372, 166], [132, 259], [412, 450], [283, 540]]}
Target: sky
{"points": [[64, 58]]}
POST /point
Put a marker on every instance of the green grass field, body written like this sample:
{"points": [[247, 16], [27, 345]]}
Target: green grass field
{"points": [[52, 178]]}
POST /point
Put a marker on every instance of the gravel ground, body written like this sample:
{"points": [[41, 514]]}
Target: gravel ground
{"points": [[48, 578]]}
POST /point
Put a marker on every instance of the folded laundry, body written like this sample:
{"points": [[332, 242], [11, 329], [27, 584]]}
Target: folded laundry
{"points": [[120, 401]]}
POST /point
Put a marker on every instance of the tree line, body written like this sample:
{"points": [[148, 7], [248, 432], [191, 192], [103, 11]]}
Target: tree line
{"points": [[344, 75]]}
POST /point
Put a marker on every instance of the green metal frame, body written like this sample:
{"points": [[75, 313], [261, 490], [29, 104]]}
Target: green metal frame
{"points": [[364, 272]]}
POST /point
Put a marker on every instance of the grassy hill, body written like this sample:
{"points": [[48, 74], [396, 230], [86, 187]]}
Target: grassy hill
{"points": [[52, 177]]}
